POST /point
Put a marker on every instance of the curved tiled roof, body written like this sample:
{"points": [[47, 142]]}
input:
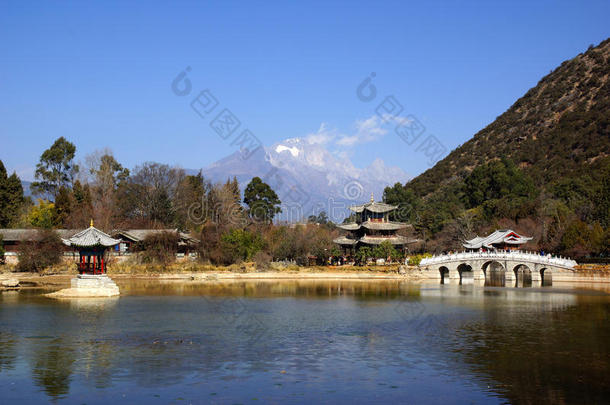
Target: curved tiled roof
{"points": [[91, 237], [373, 207], [349, 227], [395, 240], [384, 226], [379, 226], [342, 240], [23, 235], [501, 236]]}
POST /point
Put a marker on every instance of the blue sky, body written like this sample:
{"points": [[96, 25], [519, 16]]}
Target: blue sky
{"points": [[100, 73]]}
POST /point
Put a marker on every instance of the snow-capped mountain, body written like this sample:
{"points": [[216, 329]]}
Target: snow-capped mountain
{"points": [[308, 178]]}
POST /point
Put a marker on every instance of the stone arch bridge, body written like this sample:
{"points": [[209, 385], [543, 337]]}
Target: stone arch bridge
{"points": [[498, 268]]}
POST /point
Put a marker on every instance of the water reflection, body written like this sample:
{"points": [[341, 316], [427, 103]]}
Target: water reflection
{"points": [[52, 366], [300, 341]]}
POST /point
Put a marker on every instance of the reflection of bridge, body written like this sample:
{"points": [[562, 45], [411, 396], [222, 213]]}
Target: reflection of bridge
{"points": [[498, 268]]}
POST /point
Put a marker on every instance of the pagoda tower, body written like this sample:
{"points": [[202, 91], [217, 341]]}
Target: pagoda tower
{"points": [[371, 227]]}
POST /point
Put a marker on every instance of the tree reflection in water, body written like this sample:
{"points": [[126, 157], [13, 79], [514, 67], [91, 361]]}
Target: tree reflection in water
{"points": [[7, 351], [53, 366], [557, 357]]}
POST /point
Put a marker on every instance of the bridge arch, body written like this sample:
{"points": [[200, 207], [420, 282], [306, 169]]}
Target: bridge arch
{"points": [[495, 273], [523, 275], [466, 273], [444, 274], [546, 277]]}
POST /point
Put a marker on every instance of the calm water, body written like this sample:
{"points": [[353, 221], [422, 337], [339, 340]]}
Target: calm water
{"points": [[304, 342]]}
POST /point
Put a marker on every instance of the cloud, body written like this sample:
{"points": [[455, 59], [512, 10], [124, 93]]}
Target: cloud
{"points": [[323, 136], [368, 130], [364, 131]]}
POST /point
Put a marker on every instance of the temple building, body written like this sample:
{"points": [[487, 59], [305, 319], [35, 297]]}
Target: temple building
{"points": [[504, 239], [371, 227]]}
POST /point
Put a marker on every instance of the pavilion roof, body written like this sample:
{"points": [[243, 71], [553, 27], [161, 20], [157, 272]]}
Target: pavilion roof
{"points": [[342, 240], [374, 240], [91, 237], [373, 206], [507, 236], [383, 226], [394, 240]]}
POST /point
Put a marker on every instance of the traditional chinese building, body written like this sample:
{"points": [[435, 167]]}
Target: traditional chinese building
{"points": [[371, 227], [504, 239], [92, 245]]}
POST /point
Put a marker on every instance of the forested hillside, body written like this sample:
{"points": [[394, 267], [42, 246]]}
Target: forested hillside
{"points": [[542, 167]]}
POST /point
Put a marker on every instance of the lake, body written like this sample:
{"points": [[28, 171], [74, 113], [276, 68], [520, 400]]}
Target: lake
{"points": [[307, 342]]}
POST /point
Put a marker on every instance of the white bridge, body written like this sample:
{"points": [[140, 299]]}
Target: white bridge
{"points": [[498, 268]]}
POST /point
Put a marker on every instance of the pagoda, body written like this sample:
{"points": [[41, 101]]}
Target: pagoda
{"points": [[92, 280], [91, 245], [372, 226]]}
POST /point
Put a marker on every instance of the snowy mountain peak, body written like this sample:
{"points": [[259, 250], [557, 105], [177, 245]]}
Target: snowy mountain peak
{"points": [[297, 167], [294, 151]]}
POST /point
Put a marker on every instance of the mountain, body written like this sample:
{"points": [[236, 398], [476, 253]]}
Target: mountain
{"points": [[307, 177], [556, 137]]}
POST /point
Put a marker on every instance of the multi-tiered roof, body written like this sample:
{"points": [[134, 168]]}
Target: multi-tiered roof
{"points": [[372, 226]]}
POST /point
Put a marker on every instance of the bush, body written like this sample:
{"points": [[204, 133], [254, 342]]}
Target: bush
{"points": [[262, 260], [240, 244], [160, 248], [44, 251], [416, 259]]}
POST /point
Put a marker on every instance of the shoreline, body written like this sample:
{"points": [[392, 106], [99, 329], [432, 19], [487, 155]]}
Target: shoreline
{"points": [[61, 279]]}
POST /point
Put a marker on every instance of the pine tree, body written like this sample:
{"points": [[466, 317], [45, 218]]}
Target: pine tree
{"points": [[262, 201], [11, 197]]}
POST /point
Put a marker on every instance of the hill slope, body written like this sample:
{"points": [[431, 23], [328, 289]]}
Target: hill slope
{"points": [[557, 135]]}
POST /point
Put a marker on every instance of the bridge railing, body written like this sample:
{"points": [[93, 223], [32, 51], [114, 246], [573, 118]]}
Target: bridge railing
{"points": [[514, 255]]}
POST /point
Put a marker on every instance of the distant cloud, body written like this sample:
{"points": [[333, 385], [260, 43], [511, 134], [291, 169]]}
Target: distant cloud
{"points": [[366, 130], [323, 136]]}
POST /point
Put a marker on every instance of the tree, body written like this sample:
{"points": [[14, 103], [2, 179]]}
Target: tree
{"points": [[241, 244], [362, 254], [11, 197], [385, 250], [321, 218], [147, 198], [43, 215], [55, 169], [263, 203], [105, 175], [192, 202]]}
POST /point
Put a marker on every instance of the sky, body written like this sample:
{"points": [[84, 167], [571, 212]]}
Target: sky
{"points": [[105, 74]]}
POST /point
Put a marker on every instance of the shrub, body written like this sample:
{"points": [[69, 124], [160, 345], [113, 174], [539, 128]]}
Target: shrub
{"points": [[262, 260], [44, 251], [240, 244], [160, 248], [416, 259]]}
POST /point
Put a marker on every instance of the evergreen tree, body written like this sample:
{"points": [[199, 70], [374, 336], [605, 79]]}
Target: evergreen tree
{"points": [[11, 197], [263, 203]]}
